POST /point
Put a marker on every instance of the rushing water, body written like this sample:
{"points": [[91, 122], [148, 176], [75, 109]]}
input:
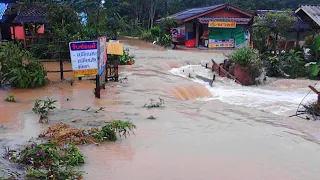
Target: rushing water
{"points": [[222, 132], [270, 98]]}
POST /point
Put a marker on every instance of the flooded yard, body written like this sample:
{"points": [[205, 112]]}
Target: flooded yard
{"points": [[226, 131]]}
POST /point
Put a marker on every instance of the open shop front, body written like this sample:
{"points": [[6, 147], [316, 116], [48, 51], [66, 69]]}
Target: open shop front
{"points": [[219, 34]]}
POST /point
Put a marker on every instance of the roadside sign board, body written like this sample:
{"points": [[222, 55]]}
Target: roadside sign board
{"points": [[102, 54], [84, 58], [218, 24], [115, 48], [213, 43]]}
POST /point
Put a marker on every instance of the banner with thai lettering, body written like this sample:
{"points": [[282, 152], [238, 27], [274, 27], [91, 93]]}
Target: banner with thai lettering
{"points": [[220, 24], [84, 58], [213, 43]]}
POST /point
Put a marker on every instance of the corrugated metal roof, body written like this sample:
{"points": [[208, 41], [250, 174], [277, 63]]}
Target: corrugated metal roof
{"points": [[300, 25], [193, 12], [313, 11], [35, 14], [240, 20]]}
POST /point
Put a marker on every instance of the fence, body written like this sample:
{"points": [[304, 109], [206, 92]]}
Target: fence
{"points": [[61, 55]]}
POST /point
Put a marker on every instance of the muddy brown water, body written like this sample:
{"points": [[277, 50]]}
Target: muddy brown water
{"points": [[197, 135]]}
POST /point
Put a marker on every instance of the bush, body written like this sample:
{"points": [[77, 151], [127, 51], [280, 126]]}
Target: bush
{"points": [[245, 56], [274, 66], [20, 69], [155, 31], [293, 64], [165, 40], [126, 57], [49, 161], [165, 26], [147, 36]]}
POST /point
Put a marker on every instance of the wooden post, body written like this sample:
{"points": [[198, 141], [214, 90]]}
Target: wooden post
{"points": [[61, 63], [97, 89], [106, 77], [197, 34], [116, 74], [315, 91]]}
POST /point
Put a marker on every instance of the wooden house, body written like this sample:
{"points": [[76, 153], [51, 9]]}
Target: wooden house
{"points": [[222, 25], [310, 14]]}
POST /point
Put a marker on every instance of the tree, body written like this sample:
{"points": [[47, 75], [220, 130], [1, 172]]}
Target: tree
{"points": [[273, 24]]}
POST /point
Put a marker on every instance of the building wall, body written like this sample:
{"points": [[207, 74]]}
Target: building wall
{"points": [[225, 13]]}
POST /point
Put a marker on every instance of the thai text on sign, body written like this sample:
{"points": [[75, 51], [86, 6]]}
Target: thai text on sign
{"points": [[220, 24], [84, 58], [221, 43], [114, 48]]}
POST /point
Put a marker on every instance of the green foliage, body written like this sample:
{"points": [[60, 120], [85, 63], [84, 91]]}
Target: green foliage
{"points": [[10, 98], [147, 36], [126, 58], [293, 64], [48, 160], [154, 104], [313, 43], [315, 70], [20, 69], [316, 47], [110, 131], [274, 25], [165, 40], [245, 56], [43, 107], [155, 31], [160, 33], [38, 50], [165, 26], [274, 66]]}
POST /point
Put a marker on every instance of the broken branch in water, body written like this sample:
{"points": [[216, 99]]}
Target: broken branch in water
{"points": [[43, 107], [89, 109], [155, 105], [122, 80]]}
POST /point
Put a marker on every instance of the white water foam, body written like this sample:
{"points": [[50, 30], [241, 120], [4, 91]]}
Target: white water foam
{"points": [[259, 97]]}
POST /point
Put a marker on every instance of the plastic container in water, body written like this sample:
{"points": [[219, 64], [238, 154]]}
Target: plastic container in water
{"points": [[191, 43]]}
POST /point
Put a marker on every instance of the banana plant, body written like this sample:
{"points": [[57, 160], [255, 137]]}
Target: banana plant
{"points": [[316, 47]]}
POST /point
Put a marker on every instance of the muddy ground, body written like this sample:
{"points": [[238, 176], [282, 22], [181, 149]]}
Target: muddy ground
{"points": [[223, 132]]}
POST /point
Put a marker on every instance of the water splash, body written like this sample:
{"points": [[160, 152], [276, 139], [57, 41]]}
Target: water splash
{"points": [[269, 98]]}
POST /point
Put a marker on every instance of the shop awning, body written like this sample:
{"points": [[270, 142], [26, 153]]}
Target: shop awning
{"points": [[237, 20]]}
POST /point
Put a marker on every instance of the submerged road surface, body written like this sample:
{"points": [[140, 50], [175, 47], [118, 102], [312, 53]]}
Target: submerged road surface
{"points": [[224, 132]]}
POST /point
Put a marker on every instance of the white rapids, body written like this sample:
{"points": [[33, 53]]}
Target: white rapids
{"points": [[268, 97]]}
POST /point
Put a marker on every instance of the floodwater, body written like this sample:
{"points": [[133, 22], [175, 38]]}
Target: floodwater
{"points": [[222, 132]]}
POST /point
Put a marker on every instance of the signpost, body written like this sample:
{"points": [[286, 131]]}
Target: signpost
{"points": [[102, 56], [221, 24], [84, 58], [88, 58]]}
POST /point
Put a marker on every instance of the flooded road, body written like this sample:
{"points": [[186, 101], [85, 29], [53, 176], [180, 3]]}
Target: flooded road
{"points": [[222, 132]]}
